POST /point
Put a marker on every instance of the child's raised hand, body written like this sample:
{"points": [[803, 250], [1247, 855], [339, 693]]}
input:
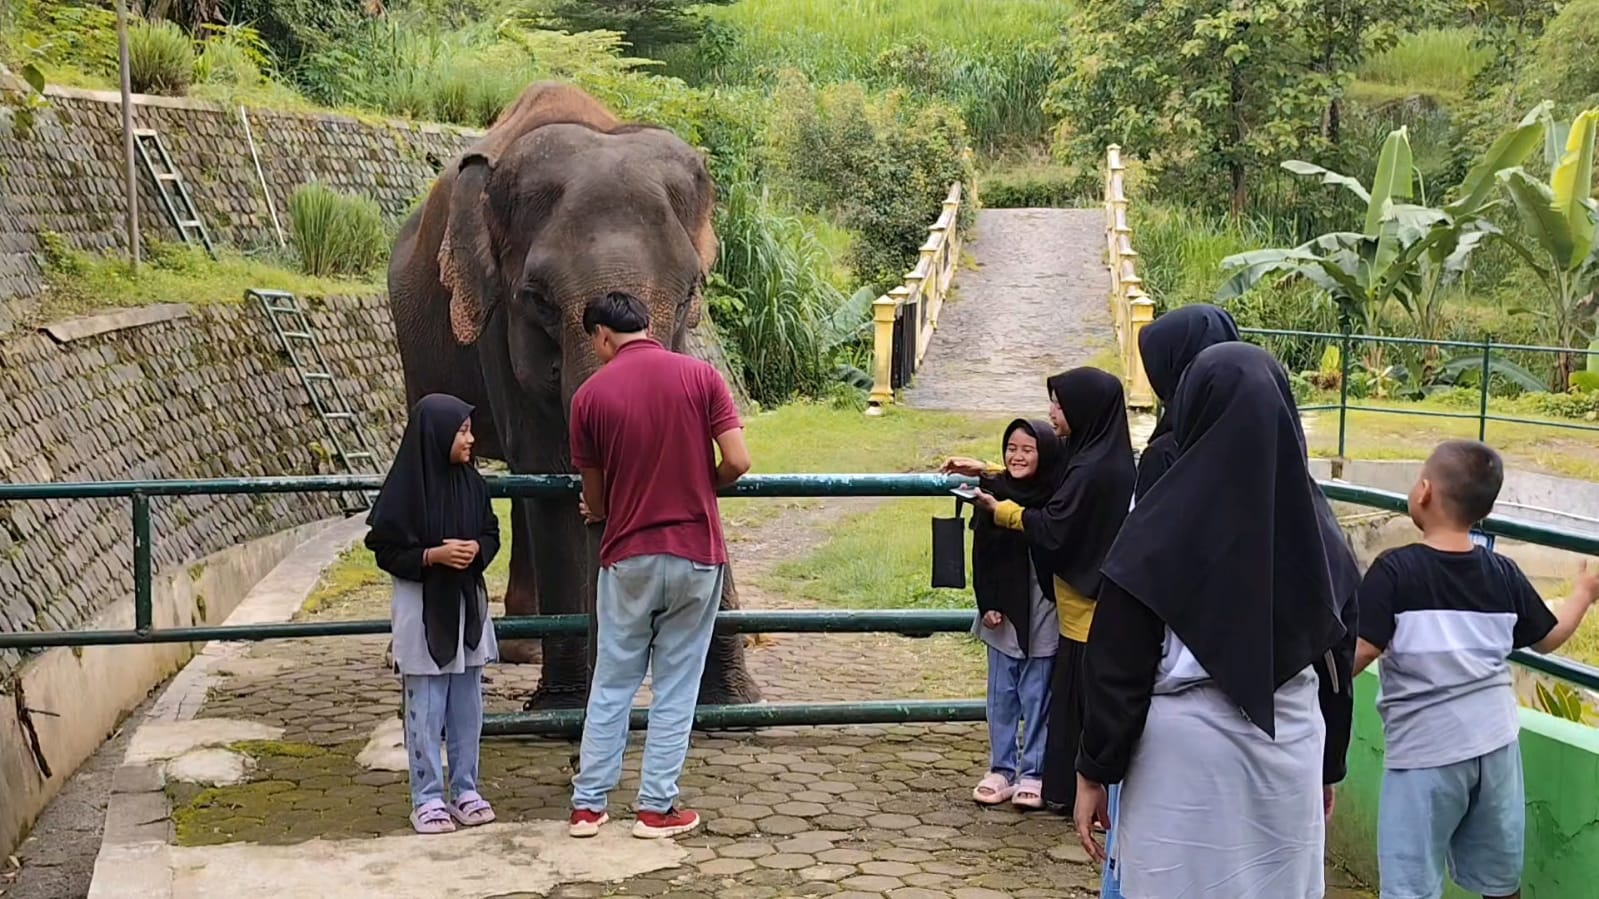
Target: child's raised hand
{"points": [[993, 619], [962, 465], [1587, 581]]}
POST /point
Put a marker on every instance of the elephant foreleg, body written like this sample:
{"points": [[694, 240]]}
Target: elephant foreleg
{"points": [[565, 559], [522, 592], [726, 679]]}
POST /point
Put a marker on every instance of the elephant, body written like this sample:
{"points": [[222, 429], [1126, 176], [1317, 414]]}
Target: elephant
{"points": [[558, 202]]}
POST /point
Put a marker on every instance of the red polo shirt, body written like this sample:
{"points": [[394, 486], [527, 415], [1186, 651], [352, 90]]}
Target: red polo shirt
{"points": [[648, 419]]}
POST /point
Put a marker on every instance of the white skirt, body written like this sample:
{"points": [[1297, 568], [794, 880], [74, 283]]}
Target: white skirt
{"points": [[411, 640], [1212, 808]]}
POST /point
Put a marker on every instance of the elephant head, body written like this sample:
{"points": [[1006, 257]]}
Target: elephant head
{"points": [[560, 203]]}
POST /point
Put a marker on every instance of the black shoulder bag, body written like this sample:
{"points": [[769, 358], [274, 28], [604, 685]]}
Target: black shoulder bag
{"points": [[949, 550]]}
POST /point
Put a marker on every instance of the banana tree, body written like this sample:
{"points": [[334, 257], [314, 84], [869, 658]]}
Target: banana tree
{"points": [[1559, 221], [1405, 252]]}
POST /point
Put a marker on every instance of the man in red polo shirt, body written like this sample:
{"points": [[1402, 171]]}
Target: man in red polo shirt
{"points": [[642, 430]]}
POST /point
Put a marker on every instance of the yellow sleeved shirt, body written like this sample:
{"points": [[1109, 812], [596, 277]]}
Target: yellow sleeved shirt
{"points": [[1075, 611]]}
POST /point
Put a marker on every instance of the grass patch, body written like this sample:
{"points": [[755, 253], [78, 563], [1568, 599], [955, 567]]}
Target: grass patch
{"points": [[77, 283], [874, 560], [1384, 435], [277, 749], [1437, 61]]}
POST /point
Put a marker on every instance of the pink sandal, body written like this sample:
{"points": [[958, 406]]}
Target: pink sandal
{"points": [[993, 789], [432, 817], [1029, 793], [470, 810]]}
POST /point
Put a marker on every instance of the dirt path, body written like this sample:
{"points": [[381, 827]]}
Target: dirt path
{"points": [[1036, 304]]}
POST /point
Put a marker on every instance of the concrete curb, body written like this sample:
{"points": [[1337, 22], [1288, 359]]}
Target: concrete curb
{"points": [[134, 861]]}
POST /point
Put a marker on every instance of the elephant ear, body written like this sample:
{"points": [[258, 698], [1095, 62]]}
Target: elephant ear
{"points": [[466, 253]]}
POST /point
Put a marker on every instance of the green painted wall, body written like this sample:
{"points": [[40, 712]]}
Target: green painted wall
{"points": [[1560, 760]]}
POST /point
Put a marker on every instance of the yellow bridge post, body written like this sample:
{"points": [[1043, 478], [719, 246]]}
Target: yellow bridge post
{"points": [[922, 292], [1131, 308], [883, 309]]}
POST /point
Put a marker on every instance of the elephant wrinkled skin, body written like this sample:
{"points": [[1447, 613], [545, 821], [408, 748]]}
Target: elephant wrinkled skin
{"points": [[557, 203]]}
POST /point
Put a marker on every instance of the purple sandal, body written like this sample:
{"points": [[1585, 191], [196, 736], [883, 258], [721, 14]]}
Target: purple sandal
{"points": [[432, 817], [471, 810]]}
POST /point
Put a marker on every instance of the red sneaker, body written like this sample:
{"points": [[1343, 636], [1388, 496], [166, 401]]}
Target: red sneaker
{"points": [[656, 825], [585, 823]]}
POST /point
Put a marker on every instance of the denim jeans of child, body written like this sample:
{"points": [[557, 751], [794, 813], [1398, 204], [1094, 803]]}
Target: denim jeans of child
{"points": [[655, 613], [1018, 698], [451, 706]]}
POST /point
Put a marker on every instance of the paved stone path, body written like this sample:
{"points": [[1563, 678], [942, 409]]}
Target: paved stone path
{"points": [[1037, 303], [842, 811]]}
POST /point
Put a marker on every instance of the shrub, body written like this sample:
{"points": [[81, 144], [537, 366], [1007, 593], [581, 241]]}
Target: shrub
{"points": [[773, 297], [1039, 186], [160, 58], [336, 234], [883, 163]]}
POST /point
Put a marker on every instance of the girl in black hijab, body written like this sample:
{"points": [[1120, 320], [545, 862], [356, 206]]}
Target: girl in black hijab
{"points": [[1217, 682], [1069, 536], [434, 531], [1168, 346], [1016, 617]]}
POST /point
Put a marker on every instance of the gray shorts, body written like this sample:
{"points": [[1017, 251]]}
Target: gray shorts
{"points": [[1472, 813]]}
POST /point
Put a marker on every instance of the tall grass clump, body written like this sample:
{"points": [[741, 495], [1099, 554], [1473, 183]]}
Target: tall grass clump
{"points": [[774, 301], [1440, 61], [160, 58], [336, 234]]}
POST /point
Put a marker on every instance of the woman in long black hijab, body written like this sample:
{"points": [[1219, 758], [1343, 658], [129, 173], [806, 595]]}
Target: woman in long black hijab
{"points": [[1070, 535], [434, 532], [1217, 682], [1168, 346], [1016, 616]]}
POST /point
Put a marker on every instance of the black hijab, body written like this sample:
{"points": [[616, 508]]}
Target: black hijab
{"points": [[1235, 548], [1000, 556], [427, 499], [1168, 346], [1073, 531]]}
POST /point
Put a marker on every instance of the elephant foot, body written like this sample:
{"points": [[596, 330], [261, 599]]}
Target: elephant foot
{"points": [[546, 698], [522, 652]]}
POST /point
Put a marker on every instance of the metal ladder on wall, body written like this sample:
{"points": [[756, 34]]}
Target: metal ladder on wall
{"points": [[170, 185], [348, 445]]}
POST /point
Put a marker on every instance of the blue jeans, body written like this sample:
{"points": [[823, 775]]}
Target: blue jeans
{"points": [[451, 706], [1018, 693], [1110, 886], [655, 612], [1470, 814]]}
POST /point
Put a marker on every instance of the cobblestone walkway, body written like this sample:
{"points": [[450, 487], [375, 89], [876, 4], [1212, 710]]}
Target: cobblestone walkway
{"points": [[1036, 304], [855, 812], [843, 811]]}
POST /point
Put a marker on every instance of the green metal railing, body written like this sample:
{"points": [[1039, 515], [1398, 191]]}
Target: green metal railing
{"points": [[910, 622], [1347, 343]]}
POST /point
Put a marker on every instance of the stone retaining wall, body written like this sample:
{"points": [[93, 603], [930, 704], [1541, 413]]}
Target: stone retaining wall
{"points": [[204, 393], [66, 178]]}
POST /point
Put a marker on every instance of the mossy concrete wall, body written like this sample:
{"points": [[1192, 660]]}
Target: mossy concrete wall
{"points": [[1560, 760], [203, 392], [67, 177]]}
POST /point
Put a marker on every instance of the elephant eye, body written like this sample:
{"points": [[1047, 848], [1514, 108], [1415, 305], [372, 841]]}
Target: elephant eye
{"points": [[544, 312]]}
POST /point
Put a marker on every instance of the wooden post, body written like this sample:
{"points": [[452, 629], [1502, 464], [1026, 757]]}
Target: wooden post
{"points": [[882, 355], [127, 135]]}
